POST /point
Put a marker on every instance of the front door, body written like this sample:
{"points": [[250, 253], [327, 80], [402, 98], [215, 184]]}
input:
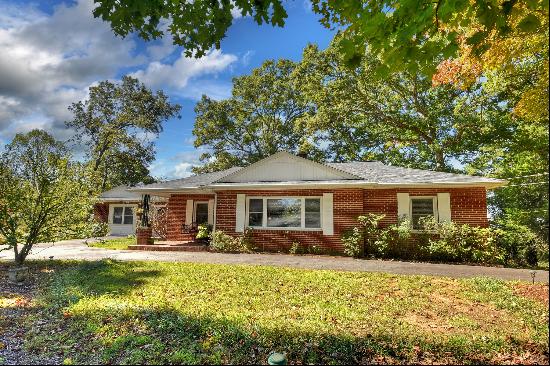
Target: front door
{"points": [[201, 213]]}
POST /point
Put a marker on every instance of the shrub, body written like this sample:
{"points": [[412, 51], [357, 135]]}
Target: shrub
{"points": [[353, 242], [204, 231], [245, 242], [447, 241], [462, 243], [222, 242], [296, 248], [521, 246]]}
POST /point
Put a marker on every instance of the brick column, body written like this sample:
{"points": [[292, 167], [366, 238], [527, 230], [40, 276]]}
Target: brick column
{"points": [[144, 235]]}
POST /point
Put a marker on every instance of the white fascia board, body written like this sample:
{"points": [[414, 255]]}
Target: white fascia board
{"points": [[114, 199], [352, 184]]}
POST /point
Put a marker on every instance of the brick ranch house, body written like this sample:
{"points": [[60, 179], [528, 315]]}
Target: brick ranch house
{"points": [[286, 199]]}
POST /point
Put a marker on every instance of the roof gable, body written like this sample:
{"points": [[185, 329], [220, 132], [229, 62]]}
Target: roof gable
{"points": [[285, 167]]}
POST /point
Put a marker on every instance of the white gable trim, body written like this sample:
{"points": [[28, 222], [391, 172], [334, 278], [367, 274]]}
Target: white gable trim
{"points": [[230, 178]]}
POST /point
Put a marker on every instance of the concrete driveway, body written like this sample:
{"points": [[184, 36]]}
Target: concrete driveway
{"points": [[77, 249]]}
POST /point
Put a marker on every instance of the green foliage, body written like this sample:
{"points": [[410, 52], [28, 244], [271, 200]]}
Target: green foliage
{"points": [[196, 25], [204, 231], [222, 242], [400, 119], [353, 242], [405, 35], [446, 241], [296, 248], [416, 35], [109, 124], [257, 121], [115, 244], [156, 312], [44, 195]]}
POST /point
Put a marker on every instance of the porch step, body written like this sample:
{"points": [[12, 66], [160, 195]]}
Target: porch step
{"points": [[183, 247]]}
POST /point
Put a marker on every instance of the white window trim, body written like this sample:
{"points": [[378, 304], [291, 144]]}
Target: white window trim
{"points": [[112, 213], [302, 213], [435, 212]]}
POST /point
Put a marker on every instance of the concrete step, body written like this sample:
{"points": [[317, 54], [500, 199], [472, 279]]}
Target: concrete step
{"points": [[194, 247]]}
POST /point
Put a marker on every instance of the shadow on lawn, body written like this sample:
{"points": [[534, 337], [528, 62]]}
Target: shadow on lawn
{"points": [[165, 336], [134, 334]]}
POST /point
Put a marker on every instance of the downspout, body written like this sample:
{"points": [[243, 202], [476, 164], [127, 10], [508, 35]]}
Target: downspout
{"points": [[215, 207]]}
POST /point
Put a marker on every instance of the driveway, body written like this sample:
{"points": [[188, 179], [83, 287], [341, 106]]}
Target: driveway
{"points": [[77, 249]]}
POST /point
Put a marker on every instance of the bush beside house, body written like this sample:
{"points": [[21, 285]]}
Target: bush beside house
{"points": [[444, 242]]}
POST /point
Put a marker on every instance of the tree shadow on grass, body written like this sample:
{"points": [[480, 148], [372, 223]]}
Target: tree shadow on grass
{"points": [[137, 334], [166, 336]]}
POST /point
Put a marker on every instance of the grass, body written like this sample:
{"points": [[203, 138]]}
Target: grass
{"points": [[181, 313], [116, 244]]}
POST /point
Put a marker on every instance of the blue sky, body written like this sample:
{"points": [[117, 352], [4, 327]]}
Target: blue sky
{"points": [[52, 51]]}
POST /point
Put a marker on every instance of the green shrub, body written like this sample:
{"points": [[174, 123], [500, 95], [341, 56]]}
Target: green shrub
{"points": [[222, 242], [296, 248], [353, 242], [204, 231], [520, 244], [461, 243], [447, 242]]}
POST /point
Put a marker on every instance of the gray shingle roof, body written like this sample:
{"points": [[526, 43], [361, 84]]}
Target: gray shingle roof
{"points": [[377, 172], [366, 172], [193, 181], [120, 193]]}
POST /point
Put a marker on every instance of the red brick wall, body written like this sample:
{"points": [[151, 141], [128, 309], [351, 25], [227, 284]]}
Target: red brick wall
{"points": [[176, 214], [101, 212], [468, 205], [348, 204]]}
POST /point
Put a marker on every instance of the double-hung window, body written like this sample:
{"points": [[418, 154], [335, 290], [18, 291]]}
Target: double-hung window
{"points": [[422, 207], [284, 212], [123, 215]]}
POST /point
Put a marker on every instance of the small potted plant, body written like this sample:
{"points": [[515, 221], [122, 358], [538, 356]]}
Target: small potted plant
{"points": [[203, 233]]}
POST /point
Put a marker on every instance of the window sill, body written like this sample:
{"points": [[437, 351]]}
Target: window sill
{"points": [[260, 228]]}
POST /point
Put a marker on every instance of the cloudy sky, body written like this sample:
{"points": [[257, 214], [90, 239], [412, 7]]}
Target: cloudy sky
{"points": [[52, 51]]}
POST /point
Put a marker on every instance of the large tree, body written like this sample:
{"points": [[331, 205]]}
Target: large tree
{"points": [[258, 120], [400, 119], [405, 34], [115, 126], [44, 195]]}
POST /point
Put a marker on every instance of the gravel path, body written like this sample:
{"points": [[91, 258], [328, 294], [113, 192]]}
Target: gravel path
{"points": [[77, 249]]}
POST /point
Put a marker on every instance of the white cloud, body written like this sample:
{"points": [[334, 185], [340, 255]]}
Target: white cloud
{"points": [[177, 75], [247, 57], [177, 166], [48, 61]]}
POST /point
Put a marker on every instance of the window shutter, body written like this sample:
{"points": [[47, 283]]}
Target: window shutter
{"points": [[110, 217], [327, 214], [444, 207], [211, 212], [403, 206], [189, 212], [240, 213]]}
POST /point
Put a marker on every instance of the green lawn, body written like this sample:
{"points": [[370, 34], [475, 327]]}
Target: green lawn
{"points": [[119, 243], [134, 312]]}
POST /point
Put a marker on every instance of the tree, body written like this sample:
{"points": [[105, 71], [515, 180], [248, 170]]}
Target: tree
{"points": [[44, 195], [115, 125], [401, 119], [196, 25], [258, 120], [407, 35]]}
